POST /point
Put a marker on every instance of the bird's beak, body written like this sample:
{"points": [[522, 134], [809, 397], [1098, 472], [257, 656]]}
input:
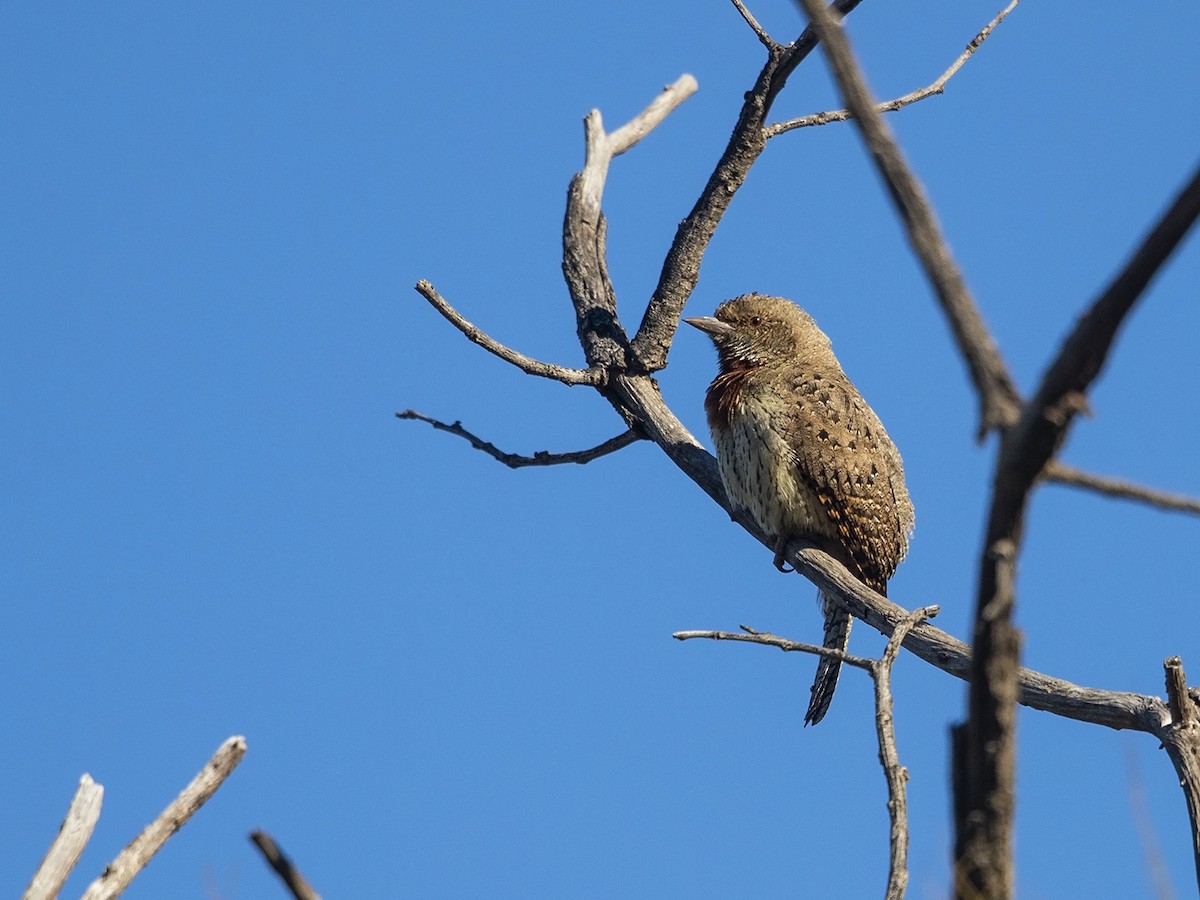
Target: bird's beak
{"points": [[714, 328]]}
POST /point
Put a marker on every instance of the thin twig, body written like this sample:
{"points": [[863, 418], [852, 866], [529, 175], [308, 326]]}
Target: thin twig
{"points": [[669, 100], [937, 87], [889, 757], [765, 39], [749, 635], [130, 861], [681, 267], [515, 461], [526, 364], [1047, 418], [998, 397], [296, 883], [1118, 487], [73, 835]]}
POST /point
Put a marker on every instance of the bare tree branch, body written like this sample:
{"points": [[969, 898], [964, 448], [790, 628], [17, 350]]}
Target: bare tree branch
{"points": [[130, 861], [73, 835], [1181, 740], [681, 268], [889, 756], [672, 97], [585, 263], [526, 364], [296, 884], [937, 87], [749, 635], [1045, 421], [765, 39], [1061, 473], [1025, 448], [540, 458], [999, 400]]}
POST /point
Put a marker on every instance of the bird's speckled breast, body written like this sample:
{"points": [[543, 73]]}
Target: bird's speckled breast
{"points": [[760, 473]]}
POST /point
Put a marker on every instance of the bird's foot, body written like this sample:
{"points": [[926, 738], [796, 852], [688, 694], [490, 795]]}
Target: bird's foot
{"points": [[780, 562]]}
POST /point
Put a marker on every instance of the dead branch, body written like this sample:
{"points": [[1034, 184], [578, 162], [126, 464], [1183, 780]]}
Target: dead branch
{"points": [[73, 835], [539, 458], [296, 883], [1181, 739], [1025, 449], [999, 400], [525, 363], [750, 635], [936, 87], [880, 670], [681, 268], [1047, 418], [765, 39], [889, 757], [1061, 473], [135, 857]]}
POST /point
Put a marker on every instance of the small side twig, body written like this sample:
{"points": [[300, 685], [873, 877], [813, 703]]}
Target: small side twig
{"points": [[296, 883], [525, 363], [998, 397], [73, 836], [515, 461], [765, 39], [889, 756], [130, 861], [1118, 487], [936, 87]]}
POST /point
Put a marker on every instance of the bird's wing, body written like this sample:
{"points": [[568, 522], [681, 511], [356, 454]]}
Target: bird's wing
{"points": [[847, 459]]}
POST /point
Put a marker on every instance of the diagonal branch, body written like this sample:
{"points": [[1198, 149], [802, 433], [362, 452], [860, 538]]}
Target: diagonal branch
{"points": [[283, 866], [1025, 449], [765, 39], [526, 364], [73, 835], [1044, 423], [515, 461], [681, 268], [135, 857], [998, 397], [1061, 473], [937, 87]]}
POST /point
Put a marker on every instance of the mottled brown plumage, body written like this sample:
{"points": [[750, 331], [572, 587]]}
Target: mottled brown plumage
{"points": [[803, 454]]}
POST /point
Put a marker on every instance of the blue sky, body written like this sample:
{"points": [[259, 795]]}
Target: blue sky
{"points": [[457, 680]]}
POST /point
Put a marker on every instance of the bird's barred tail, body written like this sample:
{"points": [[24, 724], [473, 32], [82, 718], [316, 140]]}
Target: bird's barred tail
{"points": [[837, 637]]}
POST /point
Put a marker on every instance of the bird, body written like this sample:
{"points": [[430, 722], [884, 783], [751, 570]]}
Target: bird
{"points": [[802, 454]]}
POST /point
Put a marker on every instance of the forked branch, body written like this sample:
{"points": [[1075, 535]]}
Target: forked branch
{"points": [[936, 87], [999, 400]]}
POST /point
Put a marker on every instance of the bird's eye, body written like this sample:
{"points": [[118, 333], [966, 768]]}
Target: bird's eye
{"points": [[756, 320]]}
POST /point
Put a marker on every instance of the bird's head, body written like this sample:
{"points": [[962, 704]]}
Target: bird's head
{"points": [[756, 330]]}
